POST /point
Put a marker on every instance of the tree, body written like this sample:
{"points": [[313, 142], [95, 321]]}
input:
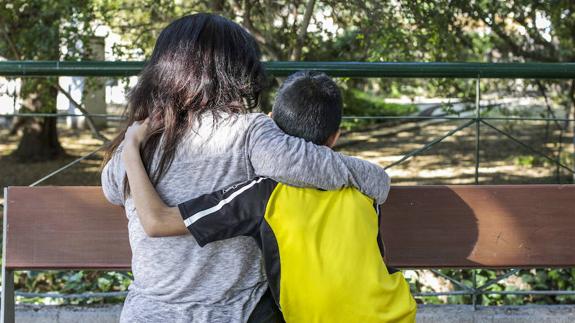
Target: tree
{"points": [[35, 30], [512, 31], [444, 30], [280, 27]]}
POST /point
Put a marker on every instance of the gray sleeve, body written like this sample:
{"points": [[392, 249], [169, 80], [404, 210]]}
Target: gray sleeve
{"points": [[294, 161], [113, 179]]}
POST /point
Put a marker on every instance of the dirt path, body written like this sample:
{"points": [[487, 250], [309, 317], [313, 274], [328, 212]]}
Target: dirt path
{"points": [[453, 160]]}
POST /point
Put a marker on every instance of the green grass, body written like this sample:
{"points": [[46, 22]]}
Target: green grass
{"points": [[359, 103]]}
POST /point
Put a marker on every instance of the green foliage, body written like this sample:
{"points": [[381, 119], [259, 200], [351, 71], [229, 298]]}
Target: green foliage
{"points": [[362, 104], [140, 22], [73, 283], [530, 160], [35, 29], [359, 103], [527, 279]]}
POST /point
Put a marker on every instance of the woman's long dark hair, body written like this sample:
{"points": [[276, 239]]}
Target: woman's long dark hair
{"points": [[202, 63]]}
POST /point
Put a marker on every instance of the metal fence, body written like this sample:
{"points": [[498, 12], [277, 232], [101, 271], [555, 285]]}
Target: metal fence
{"points": [[476, 71]]}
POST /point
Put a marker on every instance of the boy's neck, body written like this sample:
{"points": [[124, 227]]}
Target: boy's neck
{"points": [[332, 140]]}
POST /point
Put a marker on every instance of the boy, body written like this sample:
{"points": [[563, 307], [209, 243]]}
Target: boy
{"points": [[322, 251]]}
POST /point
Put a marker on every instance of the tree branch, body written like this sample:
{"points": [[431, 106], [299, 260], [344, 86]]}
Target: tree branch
{"points": [[517, 50], [95, 132], [550, 111], [570, 106], [248, 24], [537, 37], [303, 30], [217, 5], [11, 44]]}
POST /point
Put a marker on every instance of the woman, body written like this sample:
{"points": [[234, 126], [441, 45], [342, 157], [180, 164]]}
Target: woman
{"points": [[202, 78]]}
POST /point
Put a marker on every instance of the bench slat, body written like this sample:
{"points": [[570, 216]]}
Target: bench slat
{"points": [[480, 226], [423, 226], [65, 228]]}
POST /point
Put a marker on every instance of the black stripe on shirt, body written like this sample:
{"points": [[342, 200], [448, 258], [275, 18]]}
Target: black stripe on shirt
{"points": [[234, 211]]}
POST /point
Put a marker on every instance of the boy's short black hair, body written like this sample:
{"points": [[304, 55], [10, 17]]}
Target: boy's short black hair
{"points": [[308, 105]]}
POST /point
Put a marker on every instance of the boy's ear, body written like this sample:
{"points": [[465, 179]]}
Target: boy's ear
{"points": [[331, 140]]}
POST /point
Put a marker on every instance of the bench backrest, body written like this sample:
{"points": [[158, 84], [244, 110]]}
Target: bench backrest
{"points": [[491, 226], [422, 226], [64, 227]]}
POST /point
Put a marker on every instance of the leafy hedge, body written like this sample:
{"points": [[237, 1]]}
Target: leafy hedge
{"points": [[525, 279], [72, 282]]}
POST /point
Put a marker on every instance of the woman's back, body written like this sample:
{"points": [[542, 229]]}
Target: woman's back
{"points": [[220, 281], [204, 65], [177, 281]]}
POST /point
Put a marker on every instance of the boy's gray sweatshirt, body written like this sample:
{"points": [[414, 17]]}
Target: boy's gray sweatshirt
{"points": [[175, 280]]}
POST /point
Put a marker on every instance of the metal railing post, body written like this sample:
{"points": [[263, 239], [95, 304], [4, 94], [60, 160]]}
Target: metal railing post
{"points": [[477, 126], [7, 304], [475, 294], [477, 143]]}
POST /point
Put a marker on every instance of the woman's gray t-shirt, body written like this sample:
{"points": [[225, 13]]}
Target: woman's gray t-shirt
{"points": [[175, 280]]}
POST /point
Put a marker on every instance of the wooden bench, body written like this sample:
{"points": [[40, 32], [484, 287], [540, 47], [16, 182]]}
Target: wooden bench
{"points": [[423, 227]]}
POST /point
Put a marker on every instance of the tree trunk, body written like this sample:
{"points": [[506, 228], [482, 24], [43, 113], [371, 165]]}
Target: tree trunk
{"points": [[296, 55], [39, 140]]}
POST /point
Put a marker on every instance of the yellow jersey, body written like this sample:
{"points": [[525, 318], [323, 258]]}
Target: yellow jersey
{"points": [[322, 250]]}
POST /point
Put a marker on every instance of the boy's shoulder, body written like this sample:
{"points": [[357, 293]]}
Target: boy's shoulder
{"points": [[345, 193], [266, 190]]}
